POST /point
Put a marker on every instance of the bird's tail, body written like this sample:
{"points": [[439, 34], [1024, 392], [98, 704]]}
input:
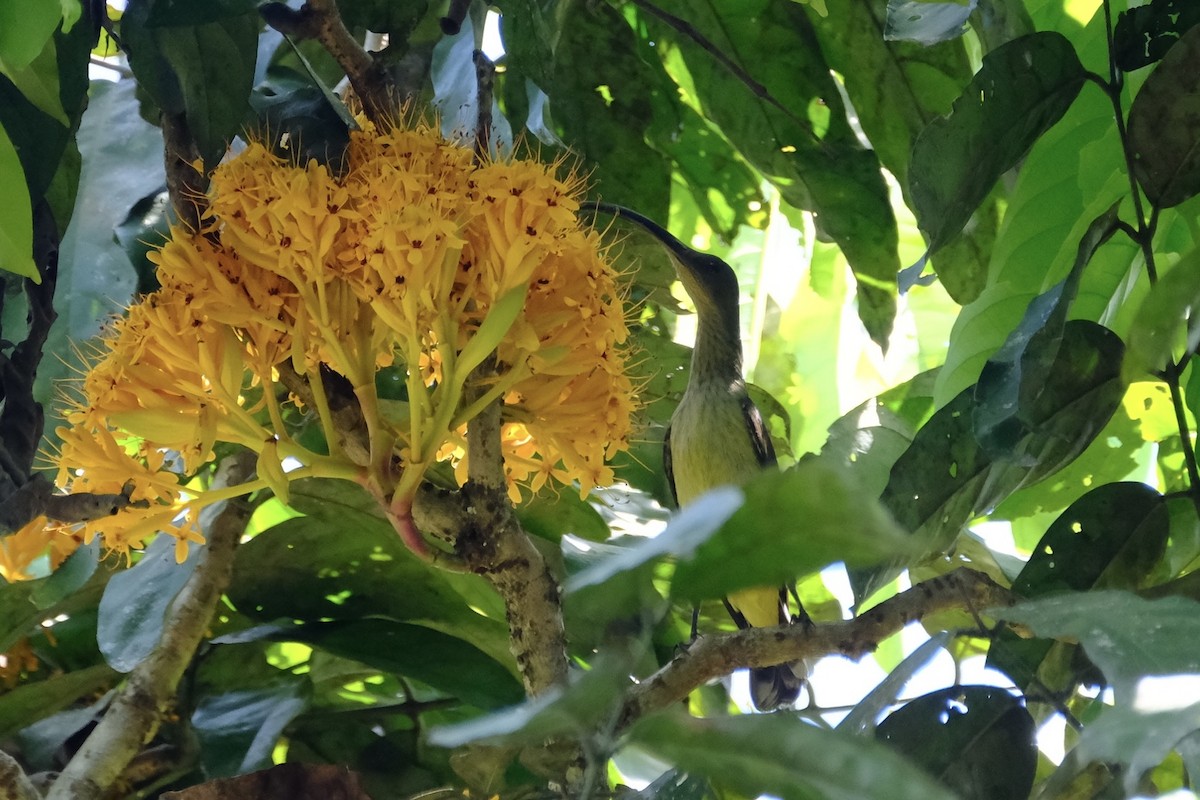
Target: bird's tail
{"points": [[772, 687]]}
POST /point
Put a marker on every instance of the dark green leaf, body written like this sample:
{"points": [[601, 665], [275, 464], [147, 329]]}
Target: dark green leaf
{"points": [[214, 64], [144, 231], [677, 785], [528, 30], [977, 740], [1144, 34], [1127, 637], [183, 13], [897, 88], [945, 478], [1021, 90], [137, 600], [1013, 379], [1108, 539], [38, 138], [238, 730], [791, 125], [627, 597], [602, 94], [588, 699], [385, 16], [780, 754], [1163, 319], [925, 22], [1164, 126], [792, 523], [295, 109], [345, 562], [1141, 737], [24, 705]]}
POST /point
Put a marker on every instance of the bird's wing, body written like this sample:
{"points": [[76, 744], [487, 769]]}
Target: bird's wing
{"points": [[760, 438]]}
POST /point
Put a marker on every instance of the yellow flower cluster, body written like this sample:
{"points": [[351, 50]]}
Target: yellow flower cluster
{"points": [[415, 257]]}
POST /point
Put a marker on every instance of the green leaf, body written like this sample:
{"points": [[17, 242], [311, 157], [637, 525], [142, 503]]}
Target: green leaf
{"points": [[926, 23], [1012, 380], [1143, 35], [1108, 539], [793, 128], [397, 20], [1164, 126], [897, 89], [145, 230], [588, 699], [1164, 318], [553, 516], [38, 82], [24, 705], [1127, 637], [137, 601], [70, 576], [687, 530], [945, 477], [24, 30], [343, 562], [1022, 89], [16, 215], [793, 523], [977, 740], [780, 754], [238, 730], [302, 112], [183, 13], [214, 64], [861, 718], [1140, 736], [604, 105]]}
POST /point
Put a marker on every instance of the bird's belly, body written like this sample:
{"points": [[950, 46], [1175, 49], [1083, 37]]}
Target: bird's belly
{"points": [[710, 447]]}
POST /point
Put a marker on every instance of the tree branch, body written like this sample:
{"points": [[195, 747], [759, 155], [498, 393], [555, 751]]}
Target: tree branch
{"points": [[134, 715], [320, 20], [185, 184], [14, 783], [713, 656]]}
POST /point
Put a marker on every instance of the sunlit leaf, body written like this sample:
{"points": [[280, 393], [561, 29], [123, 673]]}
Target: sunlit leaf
{"points": [[1021, 90], [16, 216], [1163, 321]]}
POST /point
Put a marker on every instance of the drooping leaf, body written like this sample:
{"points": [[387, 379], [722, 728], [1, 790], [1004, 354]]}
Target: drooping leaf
{"points": [[16, 215], [601, 95], [69, 578], [926, 23], [295, 110], [780, 754], [1013, 379], [24, 30], [793, 523], [1127, 637], [136, 602], [977, 740], [1144, 34], [1163, 321], [945, 477], [1022, 89], [897, 88], [587, 699], [24, 705], [785, 115], [1164, 126], [1108, 539], [214, 63], [238, 730]]}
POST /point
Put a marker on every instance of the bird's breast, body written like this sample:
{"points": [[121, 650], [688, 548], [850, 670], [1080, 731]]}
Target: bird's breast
{"points": [[710, 444]]}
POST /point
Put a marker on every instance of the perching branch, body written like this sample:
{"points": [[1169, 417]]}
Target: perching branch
{"points": [[14, 783], [712, 656], [185, 185], [320, 20], [135, 714]]}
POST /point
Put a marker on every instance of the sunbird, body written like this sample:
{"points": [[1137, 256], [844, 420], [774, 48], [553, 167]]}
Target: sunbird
{"points": [[716, 435]]}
